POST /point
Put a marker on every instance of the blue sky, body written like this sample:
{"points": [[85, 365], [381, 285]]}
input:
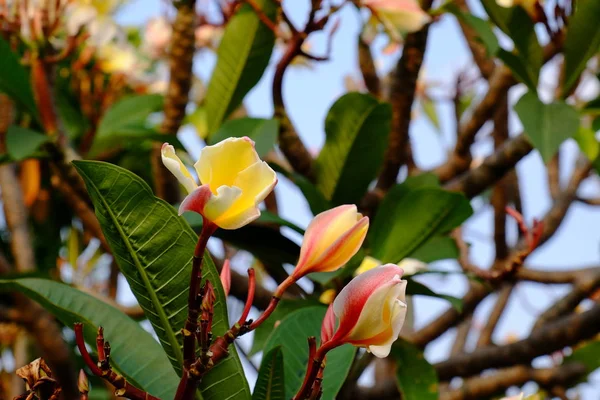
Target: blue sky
{"points": [[310, 92]]}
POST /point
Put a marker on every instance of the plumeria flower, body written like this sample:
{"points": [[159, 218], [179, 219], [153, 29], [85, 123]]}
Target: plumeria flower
{"points": [[208, 36], [398, 16], [370, 311], [121, 58], [157, 36], [410, 266], [331, 239], [234, 181], [96, 16]]}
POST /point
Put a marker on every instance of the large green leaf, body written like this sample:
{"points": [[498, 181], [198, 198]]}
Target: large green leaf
{"points": [[416, 378], [153, 247], [546, 125], [292, 334], [134, 352], [242, 57], [22, 142], [262, 131], [582, 41], [357, 129], [14, 79], [411, 214], [270, 384]]}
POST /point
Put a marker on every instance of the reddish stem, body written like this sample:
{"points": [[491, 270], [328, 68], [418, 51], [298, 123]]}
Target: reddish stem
{"points": [[83, 350], [249, 298], [100, 344], [289, 281], [314, 368]]}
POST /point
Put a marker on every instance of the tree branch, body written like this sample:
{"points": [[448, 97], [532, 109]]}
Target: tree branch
{"points": [[564, 332], [404, 82]]}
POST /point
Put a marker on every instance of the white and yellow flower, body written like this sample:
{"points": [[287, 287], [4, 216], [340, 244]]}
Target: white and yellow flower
{"points": [[234, 181]]}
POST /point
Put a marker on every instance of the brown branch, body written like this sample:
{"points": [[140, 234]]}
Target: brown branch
{"points": [[566, 331], [40, 323], [554, 176], [485, 337], [493, 168], [500, 81], [584, 286], [403, 85], [367, 68], [462, 334], [486, 64], [499, 198], [289, 142], [181, 56], [553, 276], [476, 293], [486, 386]]}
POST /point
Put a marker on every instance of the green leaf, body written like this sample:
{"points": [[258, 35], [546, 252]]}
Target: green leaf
{"points": [[262, 131], [518, 68], [357, 128], [153, 247], [436, 248], [498, 14], [242, 57], [292, 334], [588, 354], [411, 214], [144, 363], [482, 28], [582, 40], [23, 143], [128, 115], [517, 24], [74, 122], [416, 288], [546, 125], [416, 378], [589, 145], [285, 307], [270, 384], [15, 80]]}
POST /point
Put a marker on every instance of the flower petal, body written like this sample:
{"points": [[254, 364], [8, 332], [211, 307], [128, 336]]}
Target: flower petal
{"points": [[196, 200], [174, 164], [328, 325], [342, 250], [218, 204], [323, 230], [351, 300], [220, 164], [255, 183], [411, 266]]}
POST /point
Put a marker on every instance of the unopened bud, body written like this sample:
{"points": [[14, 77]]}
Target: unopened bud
{"points": [[83, 383]]}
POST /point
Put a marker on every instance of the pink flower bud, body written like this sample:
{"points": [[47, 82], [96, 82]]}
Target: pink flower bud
{"points": [[371, 310], [328, 326], [331, 239], [226, 277]]}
